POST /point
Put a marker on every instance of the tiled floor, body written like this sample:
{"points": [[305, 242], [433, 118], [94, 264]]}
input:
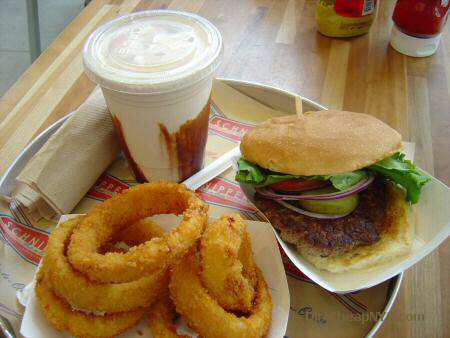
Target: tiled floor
{"points": [[54, 15]]}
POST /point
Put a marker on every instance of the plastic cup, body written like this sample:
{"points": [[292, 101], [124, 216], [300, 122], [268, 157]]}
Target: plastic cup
{"points": [[155, 69]]}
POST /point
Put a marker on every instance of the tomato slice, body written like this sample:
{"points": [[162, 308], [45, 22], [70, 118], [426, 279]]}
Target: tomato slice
{"points": [[298, 184]]}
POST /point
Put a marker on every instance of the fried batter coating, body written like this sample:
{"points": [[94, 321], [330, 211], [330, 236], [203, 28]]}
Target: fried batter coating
{"points": [[161, 319], [80, 324], [122, 210], [81, 293], [204, 314], [227, 269]]}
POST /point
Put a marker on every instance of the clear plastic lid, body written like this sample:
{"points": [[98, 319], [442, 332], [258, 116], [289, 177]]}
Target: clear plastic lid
{"points": [[152, 51]]}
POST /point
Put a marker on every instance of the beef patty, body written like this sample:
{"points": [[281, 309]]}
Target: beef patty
{"points": [[327, 237]]}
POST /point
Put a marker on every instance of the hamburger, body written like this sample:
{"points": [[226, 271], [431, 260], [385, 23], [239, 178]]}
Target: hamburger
{"points": [[334, 184]]}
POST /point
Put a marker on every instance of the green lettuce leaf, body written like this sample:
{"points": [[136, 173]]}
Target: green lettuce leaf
{"points": [[404, 173], [346, 180], [253, 174], [395, 168]]}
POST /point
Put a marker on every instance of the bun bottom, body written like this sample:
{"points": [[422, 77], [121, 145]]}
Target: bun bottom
{"points": [[394, 241]]}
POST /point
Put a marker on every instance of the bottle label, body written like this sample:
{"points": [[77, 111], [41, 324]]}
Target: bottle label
{"points": [[354, 8]]}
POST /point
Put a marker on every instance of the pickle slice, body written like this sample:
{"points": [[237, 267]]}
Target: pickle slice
{"points": [[331, 207]]}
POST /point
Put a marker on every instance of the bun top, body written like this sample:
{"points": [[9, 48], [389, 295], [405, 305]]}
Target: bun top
{"points": [[320, 143]]}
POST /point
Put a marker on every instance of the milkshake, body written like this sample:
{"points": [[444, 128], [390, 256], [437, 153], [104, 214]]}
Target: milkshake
{"points": [[155, 69]]}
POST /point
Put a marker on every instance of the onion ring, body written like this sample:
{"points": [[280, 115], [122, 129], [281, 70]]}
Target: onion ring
{"points": [[81, 293], [227, 269], [77, 323], [204, 315], [139, 232], [161, 319], [246, 257], [115, 214]]}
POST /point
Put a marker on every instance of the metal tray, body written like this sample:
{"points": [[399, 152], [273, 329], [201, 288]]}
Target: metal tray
{"points": [[267, 95]]}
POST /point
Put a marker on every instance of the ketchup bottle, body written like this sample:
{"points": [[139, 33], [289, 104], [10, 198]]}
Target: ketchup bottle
{"points": [[418, 26]]}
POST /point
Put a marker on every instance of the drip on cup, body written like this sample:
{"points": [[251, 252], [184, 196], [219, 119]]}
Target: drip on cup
{"points": [[155, 69]]}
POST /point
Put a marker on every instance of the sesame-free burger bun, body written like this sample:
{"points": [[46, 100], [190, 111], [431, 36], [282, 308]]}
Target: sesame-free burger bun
{"points": [[320, 142]]}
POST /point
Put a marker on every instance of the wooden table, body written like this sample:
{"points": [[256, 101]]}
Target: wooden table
{"points": [[275, 42]]}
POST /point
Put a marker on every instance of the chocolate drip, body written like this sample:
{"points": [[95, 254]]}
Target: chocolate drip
{"points": [[134, 166], [187, 145]]}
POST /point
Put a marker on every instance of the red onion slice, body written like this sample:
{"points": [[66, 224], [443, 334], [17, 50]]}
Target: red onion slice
{"points": [[322, 184], [309, 213], [269, 193]]}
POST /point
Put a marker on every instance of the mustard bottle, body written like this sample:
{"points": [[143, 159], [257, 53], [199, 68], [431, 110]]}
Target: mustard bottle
{"points": [[345, 18]]}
